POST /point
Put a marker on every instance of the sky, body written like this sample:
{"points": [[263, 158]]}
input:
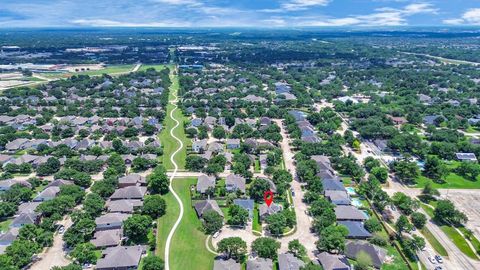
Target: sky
{"points": [[238, 13]]}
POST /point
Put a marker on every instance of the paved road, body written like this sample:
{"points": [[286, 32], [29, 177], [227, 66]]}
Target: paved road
{"points": [[172, 176]]}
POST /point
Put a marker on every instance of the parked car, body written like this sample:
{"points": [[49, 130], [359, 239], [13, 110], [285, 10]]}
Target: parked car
{"points": [[432, 260], [439, 258], [438, 268]]}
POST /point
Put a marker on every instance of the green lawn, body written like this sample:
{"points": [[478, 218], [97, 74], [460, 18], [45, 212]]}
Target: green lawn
{"points": [[458, 240], [165, 223], [4, 225], [256, 226], [168, 142], [107, 70], [156, 67], [188, 241], [434, 242], [453, 181], [475, 242]]}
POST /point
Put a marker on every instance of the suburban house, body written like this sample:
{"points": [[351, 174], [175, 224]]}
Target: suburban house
{"points": [[333, 262], [235, 182], [7, 184], [131, 180], [264, 211], [24, 219], [107, 238], [205, 182], [260, 264], [247, 204], [203, 206], [377, 254], [47, 194], [356, 230], [110, 221], [123, 206], [349, 213], [130, 192], [222, 264], [121, 257], [233, 143], [338, 197], [199, 146], [286, 261]]}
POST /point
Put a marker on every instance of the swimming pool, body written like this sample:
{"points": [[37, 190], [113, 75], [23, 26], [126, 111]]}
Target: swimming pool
{"points": [[351, 191], [356, 202]]}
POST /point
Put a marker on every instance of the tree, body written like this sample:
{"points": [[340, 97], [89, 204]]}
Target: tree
{"points": [[16, 194], [266, 247], [116, 162], [154, 206], [364, 261], [258, 188], [419, 220], [446, 213], [406, 171], [435, 168], [152, 262], [84, 253], [21, 252], [93, 204], [373, 225], [406, 204], [403, 225], [332, 238], [136, 228], [233, 247], [195, 163], [238, 215], [218, 132], [80, 232], [7, 209], [276, 223], [429, 191], [297, 249], [469, 170], [311, 266], [50, 167], [158, 182], [381, 173], [212, 221]]}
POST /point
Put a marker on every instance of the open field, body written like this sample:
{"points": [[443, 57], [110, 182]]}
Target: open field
{"points": [[168, 142], [453, 181], [188, 240], [156, 67]]}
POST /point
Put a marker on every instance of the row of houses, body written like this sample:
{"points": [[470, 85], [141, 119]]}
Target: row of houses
{"points": [[308, 133], [108, 236]]}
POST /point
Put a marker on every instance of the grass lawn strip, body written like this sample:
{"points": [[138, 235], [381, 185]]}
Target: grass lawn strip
{"points": [[168, 142], [165, 223], [188, 240], [434, 242]]}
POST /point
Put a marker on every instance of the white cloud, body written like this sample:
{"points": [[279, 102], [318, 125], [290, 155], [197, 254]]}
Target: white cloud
{"points": [[470, 17], [112, 23], [303, 4], [382, 17]]}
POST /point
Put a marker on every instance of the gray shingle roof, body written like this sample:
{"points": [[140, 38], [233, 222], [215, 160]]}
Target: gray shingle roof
{"points": [[221, 264], [131, 192], [333, 262], [202, 206], [260, 264], [287, 261], [121, 257]]}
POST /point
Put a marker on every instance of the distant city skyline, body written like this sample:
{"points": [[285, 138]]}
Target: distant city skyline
{"points": [[247, 13]]}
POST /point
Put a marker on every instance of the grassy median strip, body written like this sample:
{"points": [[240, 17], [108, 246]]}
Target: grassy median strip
{"points": [[434, 242], [459, 241]]}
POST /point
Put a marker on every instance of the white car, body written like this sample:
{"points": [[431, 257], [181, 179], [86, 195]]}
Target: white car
{"points": [[439, 258], [215, 235]]}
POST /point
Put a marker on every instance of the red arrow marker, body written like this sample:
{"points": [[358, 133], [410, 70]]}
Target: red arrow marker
{"points": [[268, 197]]}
